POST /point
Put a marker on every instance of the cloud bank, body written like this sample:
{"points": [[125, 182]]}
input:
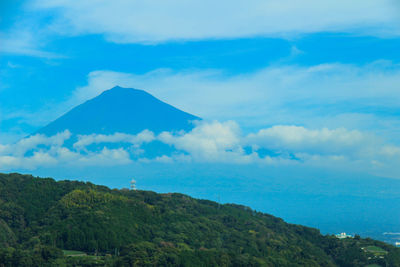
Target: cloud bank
{"points": [[124, 21], [211, 142]]}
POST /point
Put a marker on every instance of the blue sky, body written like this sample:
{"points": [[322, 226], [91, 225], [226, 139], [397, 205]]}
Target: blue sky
{"points": [[297, 76]]}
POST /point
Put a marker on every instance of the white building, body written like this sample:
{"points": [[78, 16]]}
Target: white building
{"points": [[343, 235]]}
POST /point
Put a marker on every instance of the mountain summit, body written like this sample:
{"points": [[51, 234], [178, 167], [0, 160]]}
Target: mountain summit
{"points": [[124, 110]]}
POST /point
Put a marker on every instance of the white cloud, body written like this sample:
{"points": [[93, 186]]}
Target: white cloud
{"points": [[125, 21], [38, 158], [61, 156], [107, 157], [224, 142], [145, 136], [24, 40], [390, 151], [32, 142], [211, 142], [339, 149], [299, 139], [39, 150], [215, 142]]}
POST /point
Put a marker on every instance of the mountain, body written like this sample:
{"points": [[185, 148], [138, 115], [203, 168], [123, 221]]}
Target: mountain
{"points": [[44, 222], [123, 110]]}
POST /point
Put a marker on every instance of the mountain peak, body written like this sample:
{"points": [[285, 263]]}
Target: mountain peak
{"points": [[120, 93], [119, 89], [125, 110]]}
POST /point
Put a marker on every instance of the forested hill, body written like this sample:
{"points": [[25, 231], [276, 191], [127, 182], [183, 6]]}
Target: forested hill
{"points": [[69, 223]]}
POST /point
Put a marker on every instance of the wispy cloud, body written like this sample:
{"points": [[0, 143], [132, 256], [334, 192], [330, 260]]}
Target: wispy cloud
{"points": [[124, 21], [148, 22], [25, 41], [145, 136]]}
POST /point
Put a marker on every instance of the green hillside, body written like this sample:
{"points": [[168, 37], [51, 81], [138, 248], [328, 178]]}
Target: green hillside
{"points": [[69, 223]]}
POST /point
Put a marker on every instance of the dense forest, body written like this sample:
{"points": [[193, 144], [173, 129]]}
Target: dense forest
{"points": [[70, 223]]}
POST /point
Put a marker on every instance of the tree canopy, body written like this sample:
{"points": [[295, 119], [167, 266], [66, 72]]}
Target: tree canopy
{"points": [[39, 218]]}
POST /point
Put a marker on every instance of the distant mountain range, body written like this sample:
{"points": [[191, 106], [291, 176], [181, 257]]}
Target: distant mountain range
{"points": [[123, 110]]}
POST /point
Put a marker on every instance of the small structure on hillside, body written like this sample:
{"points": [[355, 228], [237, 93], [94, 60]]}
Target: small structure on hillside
{"points": [[397, 244], [343, 235], [133, 184]]}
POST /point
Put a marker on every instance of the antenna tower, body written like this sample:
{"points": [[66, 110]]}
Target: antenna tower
{"points": [[133, 184]]}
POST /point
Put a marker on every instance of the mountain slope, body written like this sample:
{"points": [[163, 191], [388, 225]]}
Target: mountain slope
{"points": [[122, 110], [142, 228]]}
